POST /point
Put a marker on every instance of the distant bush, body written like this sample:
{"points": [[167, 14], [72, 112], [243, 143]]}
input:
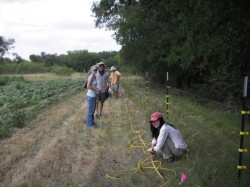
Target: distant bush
{"points": [[24, 67], [62, 70], [8, 68], [6, 80], [31, 67]]}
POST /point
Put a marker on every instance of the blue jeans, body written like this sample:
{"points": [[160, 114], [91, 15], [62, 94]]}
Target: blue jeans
{"points": [[91, 110]]}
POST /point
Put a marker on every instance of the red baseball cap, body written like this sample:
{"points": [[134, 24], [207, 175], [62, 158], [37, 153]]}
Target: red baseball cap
{"points": [[155, 116]]}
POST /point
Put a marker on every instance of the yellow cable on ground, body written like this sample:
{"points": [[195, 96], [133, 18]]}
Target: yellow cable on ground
{"points": [[144, 164]]}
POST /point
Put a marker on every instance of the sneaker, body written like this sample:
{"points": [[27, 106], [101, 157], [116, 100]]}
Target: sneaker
{"points": [[92, 126], [165, 157], [170, 159]]}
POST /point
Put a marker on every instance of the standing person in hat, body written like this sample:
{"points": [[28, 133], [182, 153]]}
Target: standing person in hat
{"points": [[89, 72], [91, 96], [102, 78], [166, 138], [114, 80]]}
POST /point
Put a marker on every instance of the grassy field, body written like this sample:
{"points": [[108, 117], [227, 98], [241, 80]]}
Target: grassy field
{"points": [[48, 76], [23, 96], [56, 148]]}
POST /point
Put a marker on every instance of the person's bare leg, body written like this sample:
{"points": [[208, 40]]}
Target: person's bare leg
{"points": [[97, 109], [100, 109], [116, 94]]}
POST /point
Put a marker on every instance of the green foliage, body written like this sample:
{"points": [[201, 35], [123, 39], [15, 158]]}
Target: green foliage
{"points": [[29, 67], [5, 45], [5, 129], [78, 60], [210, 130], [24, 67], [198, 42], [59, 70], [22, 100], [11, 115], [6, 79]]}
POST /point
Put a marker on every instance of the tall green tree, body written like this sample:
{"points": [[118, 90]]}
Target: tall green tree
{"points": [[199, 41], [5, 45]]}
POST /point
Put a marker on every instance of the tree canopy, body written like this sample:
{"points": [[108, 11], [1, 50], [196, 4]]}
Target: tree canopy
{"points": [[5, 45], [197, 41], [79, 60]]}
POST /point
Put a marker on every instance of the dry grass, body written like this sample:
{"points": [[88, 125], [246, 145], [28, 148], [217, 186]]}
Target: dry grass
{"points": [[50, 76], [57, 149], [51, 148]]}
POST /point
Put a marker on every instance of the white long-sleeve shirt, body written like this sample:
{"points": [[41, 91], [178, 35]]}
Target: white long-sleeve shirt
{"points": [[168, 131]]}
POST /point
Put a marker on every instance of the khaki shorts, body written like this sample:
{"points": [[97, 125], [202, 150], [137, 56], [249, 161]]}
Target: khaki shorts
{"points": [[115, 87]]}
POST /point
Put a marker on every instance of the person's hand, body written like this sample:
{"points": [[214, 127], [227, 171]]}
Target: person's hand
{"points": [[110, 91], [98, 90], [151, 151]]}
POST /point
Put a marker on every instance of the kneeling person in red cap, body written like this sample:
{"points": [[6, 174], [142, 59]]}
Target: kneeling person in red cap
{"points": [[166, 138]]}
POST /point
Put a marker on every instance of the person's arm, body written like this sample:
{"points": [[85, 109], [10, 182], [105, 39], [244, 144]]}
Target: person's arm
{"points": [[154, 142], [151, 150], [108, 82], [89, 84], [161, 138], [118, 74]]}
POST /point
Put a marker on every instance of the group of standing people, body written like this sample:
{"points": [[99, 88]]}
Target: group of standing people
{"points": [[166, 138], [98, 81]]}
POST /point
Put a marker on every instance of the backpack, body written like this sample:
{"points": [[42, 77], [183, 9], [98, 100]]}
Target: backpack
{"points": [[107, 93], [86, 82]]}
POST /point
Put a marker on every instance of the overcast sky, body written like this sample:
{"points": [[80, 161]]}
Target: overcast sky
{"points": [[52, 26]]}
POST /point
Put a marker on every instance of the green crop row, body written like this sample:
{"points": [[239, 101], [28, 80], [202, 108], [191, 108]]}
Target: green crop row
{"points": [[21, 100]]}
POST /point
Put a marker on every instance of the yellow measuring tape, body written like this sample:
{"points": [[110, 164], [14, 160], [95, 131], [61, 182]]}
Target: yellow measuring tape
{"points": [[243, 150], [245, 112], [144, 164], [241, 167], [244, 133]]}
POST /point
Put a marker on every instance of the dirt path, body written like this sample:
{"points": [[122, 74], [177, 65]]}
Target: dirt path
{"points": [[53, 150]]}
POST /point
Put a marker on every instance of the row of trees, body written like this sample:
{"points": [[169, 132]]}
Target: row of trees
{"points": [[78, 60], [203, 44], [199, 42], [5, 46]]}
